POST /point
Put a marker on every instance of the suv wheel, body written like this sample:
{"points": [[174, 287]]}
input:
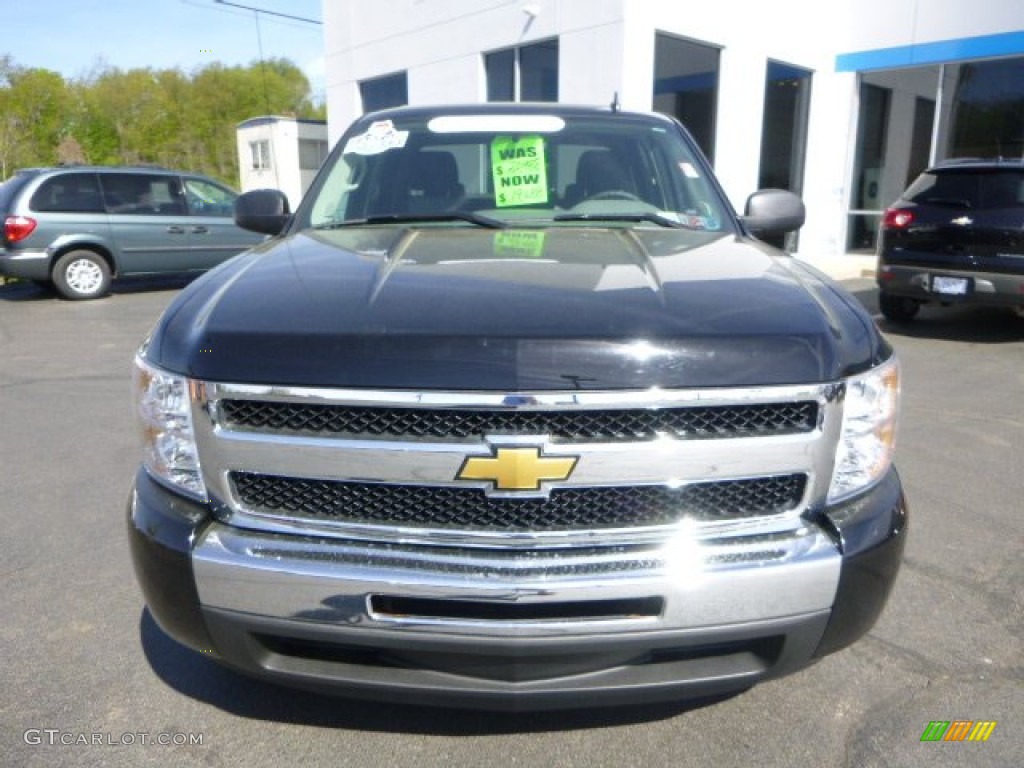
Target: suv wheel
{"points": [[897, 309], [81, 275]]}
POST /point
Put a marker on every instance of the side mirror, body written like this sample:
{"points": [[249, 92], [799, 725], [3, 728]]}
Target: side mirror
{"points": [[262, 210], [773, 212]]}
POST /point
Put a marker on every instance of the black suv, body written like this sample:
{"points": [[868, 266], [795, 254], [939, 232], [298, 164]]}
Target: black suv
{"points": [[955, 236]]}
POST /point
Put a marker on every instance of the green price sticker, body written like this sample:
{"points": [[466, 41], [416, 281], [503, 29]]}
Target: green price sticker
{"points": [[519, 244], [517, 166]]}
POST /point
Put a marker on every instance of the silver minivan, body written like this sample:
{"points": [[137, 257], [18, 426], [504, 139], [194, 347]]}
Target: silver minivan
{"points": [[77, 227]]}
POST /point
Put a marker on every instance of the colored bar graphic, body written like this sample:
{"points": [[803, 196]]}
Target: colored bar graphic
{"points": [[935, 730], [982, 730], [958, 730]]}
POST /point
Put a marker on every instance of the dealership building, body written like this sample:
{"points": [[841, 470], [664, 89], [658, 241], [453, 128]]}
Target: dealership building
{"points": [[843, 102]]}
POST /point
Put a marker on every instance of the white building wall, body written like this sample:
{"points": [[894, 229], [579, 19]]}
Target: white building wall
{"points": [[891, 23], [284, 172], [439, 45], [607, 46], [255, 178], [748, 36]]}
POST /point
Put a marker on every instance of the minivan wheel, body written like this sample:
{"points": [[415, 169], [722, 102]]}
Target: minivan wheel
{"points": [[898, 309], [80, 275]]}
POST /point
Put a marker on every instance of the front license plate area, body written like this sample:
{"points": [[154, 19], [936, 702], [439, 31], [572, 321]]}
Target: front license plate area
{"points": [[950, 286]]}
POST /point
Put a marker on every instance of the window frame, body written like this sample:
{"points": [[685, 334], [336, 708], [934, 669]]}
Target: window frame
{"points": [[259, 155], [136, 205], [49, 182], [500, 56]]}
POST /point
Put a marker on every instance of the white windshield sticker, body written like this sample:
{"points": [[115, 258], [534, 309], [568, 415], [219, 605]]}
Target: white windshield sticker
{"points": [[379, 137], [688, 170]]}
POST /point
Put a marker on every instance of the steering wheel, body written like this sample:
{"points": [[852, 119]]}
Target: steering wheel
{"points": [[613, 194]]}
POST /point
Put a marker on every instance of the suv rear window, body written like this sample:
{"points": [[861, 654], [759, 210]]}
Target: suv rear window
{"points": [[994, 188], [68, 193]]}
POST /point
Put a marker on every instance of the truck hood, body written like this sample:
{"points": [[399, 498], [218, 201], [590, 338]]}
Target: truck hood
{"points": [[473, 309]]}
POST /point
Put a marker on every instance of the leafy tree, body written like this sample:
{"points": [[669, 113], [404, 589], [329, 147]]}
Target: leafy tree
{"points": [[33, 105], [167, 117]]}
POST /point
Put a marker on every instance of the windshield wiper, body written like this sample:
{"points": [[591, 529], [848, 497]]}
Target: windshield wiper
{"points": [[409, 218], [655, 218]]}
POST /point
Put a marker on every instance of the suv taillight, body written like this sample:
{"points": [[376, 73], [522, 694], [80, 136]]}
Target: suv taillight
{"points": [[897, 218], [18, 228]]}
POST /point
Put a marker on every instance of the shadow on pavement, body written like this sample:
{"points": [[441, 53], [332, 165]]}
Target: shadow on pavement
{"points": [[27, 291], [24, 291], [975, 325], [972, 325], [201, 678]]}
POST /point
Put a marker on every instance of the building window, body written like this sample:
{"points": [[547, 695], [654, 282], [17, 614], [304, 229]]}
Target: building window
{"points": [[312, 153], [787, 99], [260, 153], [868, 200], [988, 116], [384, 92], [501, 75], [920, 138], [686, 86], [526, 73]]}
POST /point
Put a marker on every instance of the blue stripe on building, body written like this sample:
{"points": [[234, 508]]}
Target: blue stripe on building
{"points": [[962, 49]]}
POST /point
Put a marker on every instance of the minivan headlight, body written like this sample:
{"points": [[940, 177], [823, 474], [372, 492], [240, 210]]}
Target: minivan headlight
{"points": [[870, 411], [163, 407]]}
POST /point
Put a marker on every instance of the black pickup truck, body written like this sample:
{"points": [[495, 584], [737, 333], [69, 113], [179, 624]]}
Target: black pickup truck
{"points": [[515, 412]]}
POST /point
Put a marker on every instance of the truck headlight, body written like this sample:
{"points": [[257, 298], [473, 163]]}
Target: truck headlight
{"points": [[164, 410], [869, 430]]}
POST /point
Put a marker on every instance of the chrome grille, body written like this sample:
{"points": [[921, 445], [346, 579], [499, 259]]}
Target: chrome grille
{"points": [[604, 425], [384, 465], [418, 506]]}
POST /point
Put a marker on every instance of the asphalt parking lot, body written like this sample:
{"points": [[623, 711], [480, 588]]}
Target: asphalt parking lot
{"points": [[87, 678]]}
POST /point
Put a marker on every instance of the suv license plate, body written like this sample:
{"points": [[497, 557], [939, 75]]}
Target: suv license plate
{"points": [[949, 286]]}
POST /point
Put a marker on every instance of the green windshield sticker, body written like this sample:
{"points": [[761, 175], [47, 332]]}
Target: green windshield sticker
{"points": [[519, 244], [517, 165]]}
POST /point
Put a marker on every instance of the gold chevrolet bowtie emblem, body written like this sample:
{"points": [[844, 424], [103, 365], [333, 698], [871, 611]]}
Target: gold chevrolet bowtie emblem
{"points": [[517, 469]]}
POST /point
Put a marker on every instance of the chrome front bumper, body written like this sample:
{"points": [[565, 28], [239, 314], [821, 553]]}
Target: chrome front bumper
{"points": [[696, 584], [302, 612], [516, 629]]}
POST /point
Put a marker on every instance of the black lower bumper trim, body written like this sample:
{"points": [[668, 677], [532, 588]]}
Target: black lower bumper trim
{"points": [[872, 533], [515, 673], [160, 534]]}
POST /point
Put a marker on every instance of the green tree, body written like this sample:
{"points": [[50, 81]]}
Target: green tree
{"points": [[33, 106], [166, 117]]}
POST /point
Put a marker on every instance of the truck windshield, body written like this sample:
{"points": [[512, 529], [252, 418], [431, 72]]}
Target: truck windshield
{"points": [[519, 169]]}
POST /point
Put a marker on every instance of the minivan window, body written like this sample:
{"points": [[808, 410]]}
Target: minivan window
{"points": [[68, 193], [206, 199], [10, 188], [143, 194]]}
